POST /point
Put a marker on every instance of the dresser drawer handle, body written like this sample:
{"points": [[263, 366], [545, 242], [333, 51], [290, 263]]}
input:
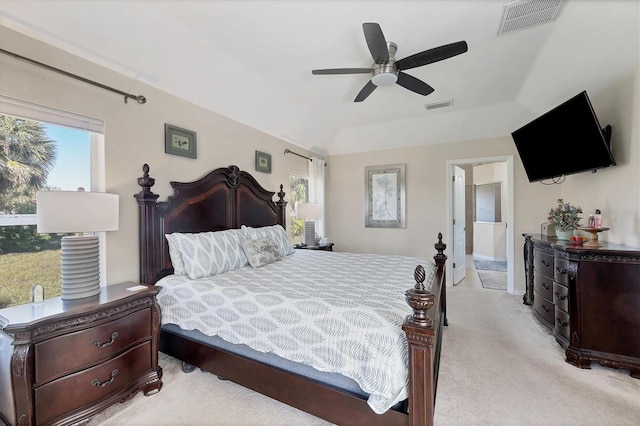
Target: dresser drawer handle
{"points": [[561, 270], [560, 296], [561, 322], [544, 308], [109, 343], [545, 263], [546, 286], [96, 382]]}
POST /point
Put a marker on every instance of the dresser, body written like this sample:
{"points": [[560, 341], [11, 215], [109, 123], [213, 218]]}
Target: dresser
{"points": [[63, 361], [588, 297]]}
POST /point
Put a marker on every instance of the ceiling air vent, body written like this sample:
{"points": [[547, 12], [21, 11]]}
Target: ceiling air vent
{"points": [[439, 104], [521, 14]]}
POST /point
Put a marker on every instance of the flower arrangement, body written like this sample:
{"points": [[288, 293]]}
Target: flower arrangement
{"points": [[565, 216]]}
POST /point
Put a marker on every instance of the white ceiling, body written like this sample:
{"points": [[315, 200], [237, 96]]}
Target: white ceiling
{"points": [[251, 61]]}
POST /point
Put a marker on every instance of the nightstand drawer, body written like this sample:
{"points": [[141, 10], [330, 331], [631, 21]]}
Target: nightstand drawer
{"points": [[89, 386], [61, 355]]}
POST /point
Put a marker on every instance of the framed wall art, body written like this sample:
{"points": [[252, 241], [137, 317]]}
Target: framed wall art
{"points": [[263, 162], [385, 196], [179, 141]]}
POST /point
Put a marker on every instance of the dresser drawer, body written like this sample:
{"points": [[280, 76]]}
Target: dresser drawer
{"points": [[561, 271], [63, 354], [562, 323], [543, 308], [543, 285], [561, 297], [543, 262], [86, 387]]}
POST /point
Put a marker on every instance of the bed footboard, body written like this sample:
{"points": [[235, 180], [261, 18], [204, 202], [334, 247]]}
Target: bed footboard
{"points": [[423, 330]]}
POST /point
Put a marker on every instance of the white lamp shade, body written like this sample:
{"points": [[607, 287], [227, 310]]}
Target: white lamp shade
{"points": [[309, 211], [76, 211]]}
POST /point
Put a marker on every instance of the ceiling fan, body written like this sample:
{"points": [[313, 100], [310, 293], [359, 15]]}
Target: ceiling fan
{"points": [[386, 70]]}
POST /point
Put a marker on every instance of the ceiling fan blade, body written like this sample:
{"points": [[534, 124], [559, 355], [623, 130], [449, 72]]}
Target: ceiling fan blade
{"points": [[432, 55], [342, 71], [365, 92], [410, 82], [376, 42]]}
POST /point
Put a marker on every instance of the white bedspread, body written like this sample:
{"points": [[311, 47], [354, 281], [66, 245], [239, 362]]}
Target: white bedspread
{"points": [[338, 312]]}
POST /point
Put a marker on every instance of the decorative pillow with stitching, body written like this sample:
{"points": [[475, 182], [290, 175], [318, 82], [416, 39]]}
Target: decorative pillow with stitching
{"points": [[275, 232], [205, 254], [261, 251]]}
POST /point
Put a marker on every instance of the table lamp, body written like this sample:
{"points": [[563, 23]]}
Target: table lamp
{"points": [[309, 212], [78, 212]]}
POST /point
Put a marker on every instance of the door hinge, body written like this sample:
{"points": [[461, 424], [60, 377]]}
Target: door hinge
{"points": [[454, 221], [454, 265]]}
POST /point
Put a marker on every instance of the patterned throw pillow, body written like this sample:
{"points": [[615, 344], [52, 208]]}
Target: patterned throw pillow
{"points": [[276, 233], [261, 252], [205, 254]]}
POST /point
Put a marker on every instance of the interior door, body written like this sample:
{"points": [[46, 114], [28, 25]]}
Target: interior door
{"points": [[459, 238]]}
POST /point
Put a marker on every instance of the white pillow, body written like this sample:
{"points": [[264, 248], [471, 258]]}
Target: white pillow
{"points": [[261, 252], [275, 232], [206, 253]]}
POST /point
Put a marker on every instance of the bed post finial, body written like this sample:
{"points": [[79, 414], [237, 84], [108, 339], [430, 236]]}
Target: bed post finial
{"points": [[420, 300], [281, 205], [440, 257], [146, 182]]}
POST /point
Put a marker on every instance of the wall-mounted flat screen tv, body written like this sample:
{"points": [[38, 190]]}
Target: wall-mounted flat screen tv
{"points": [[566, 140]]}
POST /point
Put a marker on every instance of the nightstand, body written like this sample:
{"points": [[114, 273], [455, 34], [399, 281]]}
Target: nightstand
{"points": [[325, 247], [63, 361]]}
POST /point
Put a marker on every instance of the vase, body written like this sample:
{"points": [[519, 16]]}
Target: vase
{"points": [[564, 235]]}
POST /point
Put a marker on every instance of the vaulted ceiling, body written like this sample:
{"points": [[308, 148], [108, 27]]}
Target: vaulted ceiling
{"points": [[251, 61]]}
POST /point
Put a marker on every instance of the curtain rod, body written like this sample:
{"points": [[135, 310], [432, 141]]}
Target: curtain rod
{"points": [[141, 99], [288, 151]]}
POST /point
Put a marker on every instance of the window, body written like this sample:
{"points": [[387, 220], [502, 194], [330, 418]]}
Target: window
{"points": [[299, 193], [62, 151]]}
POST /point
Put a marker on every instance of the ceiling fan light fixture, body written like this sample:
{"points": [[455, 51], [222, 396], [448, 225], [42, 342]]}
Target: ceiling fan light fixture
{"points": [[384, 79]]}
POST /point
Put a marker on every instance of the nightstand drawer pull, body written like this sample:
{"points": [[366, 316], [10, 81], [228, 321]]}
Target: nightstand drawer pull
{"points": [[544, 308], [561, 271], [545, 263], [96, 382], [561, 322], [105, 344], [546, 286]]}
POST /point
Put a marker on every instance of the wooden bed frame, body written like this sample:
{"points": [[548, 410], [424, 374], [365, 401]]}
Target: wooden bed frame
{"points": [[227, 198]]}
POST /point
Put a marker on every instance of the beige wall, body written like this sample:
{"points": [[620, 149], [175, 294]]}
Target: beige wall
{"points": [[134, 135], [615, 191]]}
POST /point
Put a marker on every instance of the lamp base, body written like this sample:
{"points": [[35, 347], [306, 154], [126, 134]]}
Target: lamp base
{"points": [[80, 267], [309, 232]]}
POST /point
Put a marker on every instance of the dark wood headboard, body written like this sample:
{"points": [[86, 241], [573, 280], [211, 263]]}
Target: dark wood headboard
{"points": [[226, 198]]}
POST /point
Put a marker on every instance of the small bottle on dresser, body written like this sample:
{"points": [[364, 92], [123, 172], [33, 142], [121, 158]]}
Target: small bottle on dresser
{"points": [[597, 220], [592, 221]]}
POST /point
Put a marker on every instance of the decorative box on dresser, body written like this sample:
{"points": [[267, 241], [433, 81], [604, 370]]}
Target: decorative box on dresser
{"points": [[63, 361], [589, 297]]}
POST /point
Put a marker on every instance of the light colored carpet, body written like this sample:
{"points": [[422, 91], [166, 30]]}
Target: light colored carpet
{"points": [[495, 280], [499, 366]]}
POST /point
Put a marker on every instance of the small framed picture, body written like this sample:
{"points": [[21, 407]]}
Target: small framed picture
{"points": [[263, 162], [179, 141], [385, 196]]}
